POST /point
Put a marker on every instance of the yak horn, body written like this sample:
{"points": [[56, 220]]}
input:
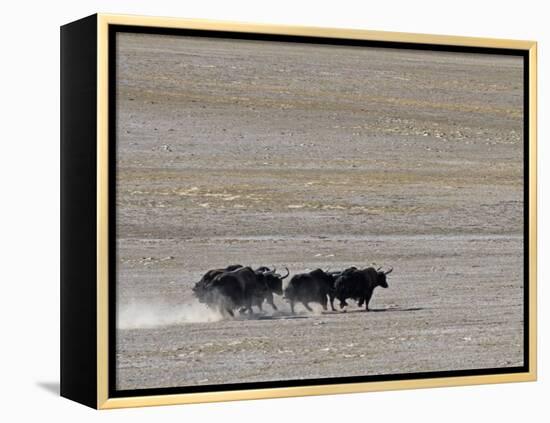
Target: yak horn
{"points": [[287, 273], [389, 271]]}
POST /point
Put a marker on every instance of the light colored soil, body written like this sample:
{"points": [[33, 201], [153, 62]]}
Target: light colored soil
{"points": [[316, 156]]}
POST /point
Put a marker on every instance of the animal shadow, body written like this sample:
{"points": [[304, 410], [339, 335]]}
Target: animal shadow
{"points": [[383, 310], [277, 315], [287, 315]]}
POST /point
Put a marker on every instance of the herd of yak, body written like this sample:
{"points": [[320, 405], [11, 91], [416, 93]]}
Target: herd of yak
{"points": [[240, 288]]}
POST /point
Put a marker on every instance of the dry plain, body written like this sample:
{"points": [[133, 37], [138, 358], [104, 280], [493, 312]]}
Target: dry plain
{"points": [[313, 156]]}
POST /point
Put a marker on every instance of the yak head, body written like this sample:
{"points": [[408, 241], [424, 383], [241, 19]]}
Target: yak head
{"points": [[381, 279], [272, 279]]}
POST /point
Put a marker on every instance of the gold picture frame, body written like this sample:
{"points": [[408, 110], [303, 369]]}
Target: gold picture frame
{"points": [[78, 377]]}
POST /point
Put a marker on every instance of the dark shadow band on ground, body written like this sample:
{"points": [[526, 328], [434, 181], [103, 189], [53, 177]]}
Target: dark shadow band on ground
{"points": [[379, 310], [287, 315]]}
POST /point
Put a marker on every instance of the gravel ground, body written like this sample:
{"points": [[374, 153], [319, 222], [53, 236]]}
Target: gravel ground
{"points": [[316, 156]]}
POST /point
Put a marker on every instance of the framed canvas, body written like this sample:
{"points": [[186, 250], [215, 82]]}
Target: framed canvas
{"points": [[256, 211]]}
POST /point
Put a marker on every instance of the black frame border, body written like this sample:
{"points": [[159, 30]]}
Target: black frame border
{"points": [[112, 78]]}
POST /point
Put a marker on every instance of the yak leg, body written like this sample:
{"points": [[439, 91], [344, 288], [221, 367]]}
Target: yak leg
{"points": [[292, 306], [343, 303], [324, 302], [225, 310], [306, 305], [367, 299], [248, 307], [332, 302], [269, 299]]}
